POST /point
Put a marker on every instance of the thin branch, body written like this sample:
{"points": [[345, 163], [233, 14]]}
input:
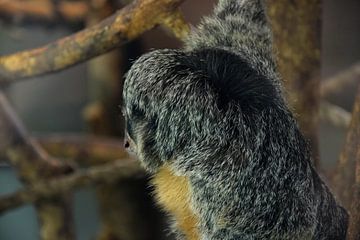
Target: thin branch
{"points": [[117, 170], [345, 174], [336, 115], [339, 82], [123, 26]]}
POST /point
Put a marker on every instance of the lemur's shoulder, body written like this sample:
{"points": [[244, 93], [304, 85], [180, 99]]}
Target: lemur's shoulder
{"points": [[173, 194]]}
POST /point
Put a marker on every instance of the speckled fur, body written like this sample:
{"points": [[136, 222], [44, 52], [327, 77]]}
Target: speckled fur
{"points": [[214, 112]]}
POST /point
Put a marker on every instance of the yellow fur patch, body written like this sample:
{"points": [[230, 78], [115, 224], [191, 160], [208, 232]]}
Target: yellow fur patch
{"points": [[173, 193]]}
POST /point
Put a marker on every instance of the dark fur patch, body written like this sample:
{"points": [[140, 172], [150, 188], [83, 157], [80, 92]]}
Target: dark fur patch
{"points": [[232, 78]]}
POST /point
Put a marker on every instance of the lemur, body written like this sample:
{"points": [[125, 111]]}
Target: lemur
{"points": [[211, 125]]}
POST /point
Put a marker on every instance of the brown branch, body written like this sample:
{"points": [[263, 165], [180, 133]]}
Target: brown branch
{"points": [[43, 10], [117, 170], [125, 25], [177, 24], [345, 175], [33, 165], [354, 227], [339, 82], [336, 115]]}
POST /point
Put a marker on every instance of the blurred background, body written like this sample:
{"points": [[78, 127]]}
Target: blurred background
{"points": [[59, 103]]}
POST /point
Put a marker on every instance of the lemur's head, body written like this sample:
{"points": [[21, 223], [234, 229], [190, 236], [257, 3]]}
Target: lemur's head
{"points": [[181, 104]]}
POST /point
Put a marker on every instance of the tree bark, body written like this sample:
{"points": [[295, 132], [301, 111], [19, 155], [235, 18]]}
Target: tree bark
{"points": [[297, 40], [345, 174]]}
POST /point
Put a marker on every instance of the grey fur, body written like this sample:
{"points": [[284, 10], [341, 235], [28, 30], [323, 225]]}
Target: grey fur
{"points": [[249, 166]]}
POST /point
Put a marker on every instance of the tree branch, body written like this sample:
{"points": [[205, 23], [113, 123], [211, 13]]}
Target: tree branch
{"points": [[108, 173], [345, 175], [297, 28], [337, 83], [334, 114], [125, 25]]}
